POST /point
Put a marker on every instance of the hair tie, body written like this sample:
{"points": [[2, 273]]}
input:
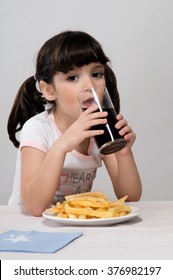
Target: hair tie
{"points": [[37, 86]]}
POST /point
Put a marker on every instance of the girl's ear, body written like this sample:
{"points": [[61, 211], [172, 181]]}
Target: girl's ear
{"points": [[47, 90]]}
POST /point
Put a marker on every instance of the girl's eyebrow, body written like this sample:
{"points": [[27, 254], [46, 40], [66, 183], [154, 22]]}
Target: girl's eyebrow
{"points": [[76, 68], [99, 65]]}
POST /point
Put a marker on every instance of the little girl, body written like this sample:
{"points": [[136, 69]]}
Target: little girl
{"points": [[57, 152]]}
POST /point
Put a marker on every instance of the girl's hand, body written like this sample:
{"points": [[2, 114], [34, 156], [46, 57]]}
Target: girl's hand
{"points": [[81, 128], [126, 132]]}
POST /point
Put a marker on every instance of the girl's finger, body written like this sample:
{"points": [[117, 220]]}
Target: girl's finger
{"points": [[119, 117], [121, 123], [125, 130]]}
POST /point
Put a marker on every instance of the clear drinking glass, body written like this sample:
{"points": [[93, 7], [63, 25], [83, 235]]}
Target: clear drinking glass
{"points": [[111, 141]]}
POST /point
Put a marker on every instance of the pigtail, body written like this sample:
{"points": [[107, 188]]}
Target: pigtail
{"points": [[28, 102], [111, 84]]}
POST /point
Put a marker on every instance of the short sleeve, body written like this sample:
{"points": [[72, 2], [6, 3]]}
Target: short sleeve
{"points": [[33, 135]]}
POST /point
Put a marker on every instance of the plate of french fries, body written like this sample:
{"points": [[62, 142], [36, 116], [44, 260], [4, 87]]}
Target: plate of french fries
{"points": [[91, 208]]}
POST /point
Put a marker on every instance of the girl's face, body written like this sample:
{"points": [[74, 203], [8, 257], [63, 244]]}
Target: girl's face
{"points": [[68, 86]]}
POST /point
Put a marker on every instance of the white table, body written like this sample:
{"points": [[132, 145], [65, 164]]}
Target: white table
{"points": [[149, 236]]}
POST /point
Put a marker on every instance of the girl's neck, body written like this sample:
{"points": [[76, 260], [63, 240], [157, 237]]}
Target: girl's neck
{"points": [[63, 122]]}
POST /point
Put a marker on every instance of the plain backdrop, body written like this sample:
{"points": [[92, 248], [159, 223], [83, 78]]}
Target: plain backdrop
{"points": [[137, 35]]}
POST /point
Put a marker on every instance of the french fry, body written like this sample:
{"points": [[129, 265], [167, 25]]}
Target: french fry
{"points": [[123, 199], [120, 208], [62, 215], [88, 212], [90, 205], [93, 194], [58, 208], [71, 216]]}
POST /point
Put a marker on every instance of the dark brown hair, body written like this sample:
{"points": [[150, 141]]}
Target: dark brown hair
{"points": [[60, 53]]}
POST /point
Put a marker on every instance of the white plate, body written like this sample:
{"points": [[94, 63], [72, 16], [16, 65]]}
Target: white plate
{"points": [[93, 222]]}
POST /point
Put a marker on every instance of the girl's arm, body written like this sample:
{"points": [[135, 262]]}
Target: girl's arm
{"points": [[41, 172], [40, 176], [122, 168]]}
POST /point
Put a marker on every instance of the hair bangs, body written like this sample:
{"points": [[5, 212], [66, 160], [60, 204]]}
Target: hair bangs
{"points": [[78, 49]]}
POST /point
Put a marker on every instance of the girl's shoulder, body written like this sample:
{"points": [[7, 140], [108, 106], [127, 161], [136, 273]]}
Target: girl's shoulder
{"points": [[39, 131], [42, 123], [39, 119]]}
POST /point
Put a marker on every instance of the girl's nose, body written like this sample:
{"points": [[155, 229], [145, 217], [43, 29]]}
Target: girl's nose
{"points": [[88, 84]]}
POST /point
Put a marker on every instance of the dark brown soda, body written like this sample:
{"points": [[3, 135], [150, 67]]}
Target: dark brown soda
{"points": [[111, 141], [106, 137]]}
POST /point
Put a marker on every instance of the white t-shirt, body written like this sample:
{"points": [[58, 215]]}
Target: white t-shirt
{"points": [[79, 170]]}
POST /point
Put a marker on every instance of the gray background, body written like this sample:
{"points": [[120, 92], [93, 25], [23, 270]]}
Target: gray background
{"points": [[137, 35]]}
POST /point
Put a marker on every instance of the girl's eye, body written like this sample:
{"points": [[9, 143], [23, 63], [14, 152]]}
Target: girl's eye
{"points": [[98, 74], [72, 78]]}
